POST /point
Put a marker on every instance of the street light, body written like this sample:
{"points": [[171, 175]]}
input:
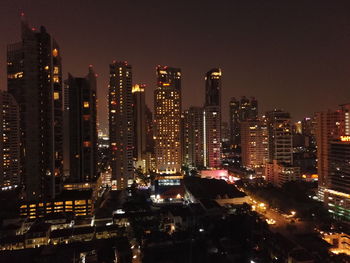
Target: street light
{"points": [[293, 213]]}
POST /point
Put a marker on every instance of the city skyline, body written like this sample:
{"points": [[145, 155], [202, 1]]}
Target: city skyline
{"points": [[286, 61]]}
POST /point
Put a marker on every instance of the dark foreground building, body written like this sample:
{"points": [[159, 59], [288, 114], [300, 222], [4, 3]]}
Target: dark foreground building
{"points": [[34, 76]]}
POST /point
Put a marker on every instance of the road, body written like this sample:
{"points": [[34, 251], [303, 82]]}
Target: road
{"points": [[282, 221]]}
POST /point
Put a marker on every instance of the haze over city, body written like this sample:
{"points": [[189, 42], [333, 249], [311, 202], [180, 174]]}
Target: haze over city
{"points": [[272, 50]]}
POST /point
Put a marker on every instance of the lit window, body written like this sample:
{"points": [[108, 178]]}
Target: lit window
{"points": [[55, 52], [56, 96], [86, 104]]}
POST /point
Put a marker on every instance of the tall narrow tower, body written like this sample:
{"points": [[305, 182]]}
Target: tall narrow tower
{"points": [[167, 117], [212, 119], [34, 76], [82, 127], [121, 127], [139, 104]]}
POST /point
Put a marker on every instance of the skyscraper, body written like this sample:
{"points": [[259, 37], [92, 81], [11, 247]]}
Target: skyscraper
{"points": [[193, 147], [212, 119], [121, 127], [82, 127], [9, 141], [337, 198], [34, 75], [330, 126], [255, 148], [243, 110], [167, 117], [139, 104], [280, 137], [234, 122], [149, 130]]}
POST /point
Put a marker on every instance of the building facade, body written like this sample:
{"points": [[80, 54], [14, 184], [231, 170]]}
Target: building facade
{"points": [[10, 173], [140, 127], [121, 127], [212, 119], [280, 136], [192, 129], [333, 151], [167, 118], [241, 110], [82, 127], [34, 76], [254, 143]]}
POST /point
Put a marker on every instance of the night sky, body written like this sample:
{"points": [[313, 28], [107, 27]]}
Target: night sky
{"points": [[288, 54]]}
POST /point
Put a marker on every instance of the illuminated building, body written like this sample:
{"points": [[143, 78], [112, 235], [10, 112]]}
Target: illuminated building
{"points": [[34, 77], [254, 143], [243, 110], [328, 129], [82, 127], [340, 242], [281, 173], [212, 119], [192, 137], [168, 188], [9, 141], [337, 193], [138, 92], [121, 127], [167, 118], [280, 136], [78, 202]]}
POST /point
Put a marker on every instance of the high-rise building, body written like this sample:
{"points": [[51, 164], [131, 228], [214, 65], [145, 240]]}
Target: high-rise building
{"points": [[234, 122], [328, 129], [121, 127], [82, 127], [34, 76], [149, 130], [9, 141], [337, 197], [212, 119], [280, 136], [332, 125], [243, 110], [280, 169], [167, 118], [140, 127], [255, 140], [192, 129]]}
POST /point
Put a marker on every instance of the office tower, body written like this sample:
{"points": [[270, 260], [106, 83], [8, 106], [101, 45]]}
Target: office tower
{"points": [[193, 137], [167, 117], [138, 92], [255, 148], [245, 109], [337, 198], [185, 138], [149, 130], [82, 127], [121, 127], [212, 119], [280, 137], [9, 141], [34, 76], [330, 126], [234, 122]]}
